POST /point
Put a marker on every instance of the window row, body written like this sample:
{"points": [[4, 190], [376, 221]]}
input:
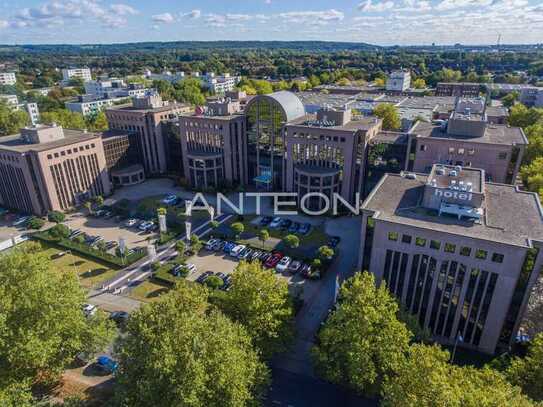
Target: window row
{"points": [[70, 151]]}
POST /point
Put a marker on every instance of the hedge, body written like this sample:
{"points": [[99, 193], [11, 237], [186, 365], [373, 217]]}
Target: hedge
{"points": [[163, 275], [89, 251]]}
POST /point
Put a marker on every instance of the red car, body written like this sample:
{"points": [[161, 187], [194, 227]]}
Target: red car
{"points": [[273, 260]]}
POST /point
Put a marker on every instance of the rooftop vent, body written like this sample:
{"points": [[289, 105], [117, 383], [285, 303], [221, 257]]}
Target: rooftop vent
{"points": [[440, 171], [410, 175], [453, 173]]}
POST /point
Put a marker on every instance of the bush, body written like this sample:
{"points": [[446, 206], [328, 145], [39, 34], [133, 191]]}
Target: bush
{"points": [[214, 282], [59, 231], [35, 223], [56, 216]]}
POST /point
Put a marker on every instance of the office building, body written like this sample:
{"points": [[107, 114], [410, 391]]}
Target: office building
{"points": [[460, 254], [461, 89], [468, 139], [76, 73], [7, 78], [213, 145], [326, 153], [398, 81], [48, 168], [144, 118]]}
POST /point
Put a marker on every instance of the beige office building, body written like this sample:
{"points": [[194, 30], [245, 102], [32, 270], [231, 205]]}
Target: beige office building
{"points": [[50, 168]]}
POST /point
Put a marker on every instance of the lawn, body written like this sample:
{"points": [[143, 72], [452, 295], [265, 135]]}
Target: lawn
{"points": [[90, 272], [149, 291]]}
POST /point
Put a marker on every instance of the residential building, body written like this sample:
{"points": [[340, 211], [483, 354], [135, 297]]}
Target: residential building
{"points": [[497, 114], [461, 89], [219, 83], [48, 168], [144, 118], [460, 254], [326, 154], [468, 139], [88, 105], [398, 81], [7, 78], [30, 108], [165, 76], [213, 145], [76, 73], [532, 97], [11, 100]]}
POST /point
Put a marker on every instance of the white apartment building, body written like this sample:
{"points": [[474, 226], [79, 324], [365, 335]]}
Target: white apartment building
{"points": [[11, 100], [73, 73], [220, 83], [165, 76], [7, 78], [87, 107], [398, 81], [30, 108]]}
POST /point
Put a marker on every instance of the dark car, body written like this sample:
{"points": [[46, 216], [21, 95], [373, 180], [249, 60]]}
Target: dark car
{"points": [[305, 270], [273, 260], [285, 224], [255, 255], [334, 241], [265, 221], [294, 227], [304, 229], [119, 317], [264, 257], [106, 365], [294, 267], [204, 277]]}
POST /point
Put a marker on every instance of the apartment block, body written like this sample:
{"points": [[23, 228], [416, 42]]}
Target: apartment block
{"points": [[468, 139], [461, 89], [459, 253], [326, 154], [220, 83], [7, 78], [532, 97], [398, 81], [50, 168], [76, 73], [213, 145], [144, 118]]}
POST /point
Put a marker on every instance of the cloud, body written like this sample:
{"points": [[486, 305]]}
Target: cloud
{"points": [[123, 10], [164, 18], [4, 24], [312, 16], [368, 6], [191, 14]]}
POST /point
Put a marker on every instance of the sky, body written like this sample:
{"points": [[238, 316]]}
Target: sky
{"points": [[381, 22]]}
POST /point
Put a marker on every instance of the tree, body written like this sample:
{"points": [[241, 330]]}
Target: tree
{"points": [[64, 118], [532, 176], [99, 200], [427, 379], [534, 149], [362, 342], [389, 114], [16, 394], [527, 372], [510, 99], [195, 243], [181, 247], [325, 252], [161, 211], [80, 239], [291, 241], [189, 91], [214, 282], [41, 323], [55, 216], [35, 223], [11, 121], [101, 245], [59, 231], [214, 224], [262, 304], [180, 352], [88, 206], [237, 228], [419, 83], [263, 236], [521, 116], [97, 122]]}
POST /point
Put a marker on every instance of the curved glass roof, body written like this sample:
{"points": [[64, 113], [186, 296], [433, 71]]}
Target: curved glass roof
{"points": [[289, 102]]}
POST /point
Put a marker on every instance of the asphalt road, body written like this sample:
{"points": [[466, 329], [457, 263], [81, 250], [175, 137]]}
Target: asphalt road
{"points": [[294, 390]]}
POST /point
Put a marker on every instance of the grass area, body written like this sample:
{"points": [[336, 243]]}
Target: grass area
{"points": [[91, 273], [148, 291]]}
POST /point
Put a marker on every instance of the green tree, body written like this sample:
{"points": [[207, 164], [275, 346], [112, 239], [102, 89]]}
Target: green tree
{"points": [[237, 228], [527, 372], [532, 176], [389, 114], [427, 379], [214, 282], [181, 247], [325, 252], [510, 99], [534, 149], [262, 304], [195, 243], [42, 326], [180, 352], [16, 394], [99, 200], [97, 122], [521, 116], [88, 206], [190, 91], [11, 121], [419, 83], [263, 236], [55, 216], [64, 118], [362, 342], [291, 241], [59, 231], [35, 223], [161, 211]]}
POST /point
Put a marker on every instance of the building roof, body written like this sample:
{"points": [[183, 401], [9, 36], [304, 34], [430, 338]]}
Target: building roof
{"points": [[494, 134], [130, 108], [16, 143], [511, 216], [496, 111], [290, 103], [114, 133], [358, 123], [321, 99], [428, 102]]}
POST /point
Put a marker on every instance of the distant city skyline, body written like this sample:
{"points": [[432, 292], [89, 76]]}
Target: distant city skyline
{"points": [[380, 22]]}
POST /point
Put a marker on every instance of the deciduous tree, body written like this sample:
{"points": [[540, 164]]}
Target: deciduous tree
{"points": [[389, 114], [527, 372]]}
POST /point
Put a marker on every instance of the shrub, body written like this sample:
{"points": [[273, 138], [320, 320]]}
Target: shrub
{"points": [[59, 231], [35, 223], [56, 216], [214, 282]]}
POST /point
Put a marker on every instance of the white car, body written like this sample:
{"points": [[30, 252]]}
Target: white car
{"points": [[283, 264], [236, 250], [191, 268], [131, 222], [275, 223], [89, 310], [170, 199], [210, 243]]}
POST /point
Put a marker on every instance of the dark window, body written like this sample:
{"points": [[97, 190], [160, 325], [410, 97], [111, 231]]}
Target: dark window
{"points": [[497, 258], [481, 254], [434, 244], [465, 251], [406, 239], [419, 241], [502, 156], [450, 248], [393, 236]]}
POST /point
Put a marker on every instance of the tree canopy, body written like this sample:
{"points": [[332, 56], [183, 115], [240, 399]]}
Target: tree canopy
{"points": [[527, 372], [389, 114], [11, 120]]}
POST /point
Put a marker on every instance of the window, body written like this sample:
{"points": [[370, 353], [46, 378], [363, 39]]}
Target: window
{"points": [[481, 254], [471, 151], [465, 251], [393, 236], [423, 147], [434, 244], [502, 156], [406, 239], [497, 258], [461, 151], [49, 156], [419, 241], [451, 150], [450, 248]]}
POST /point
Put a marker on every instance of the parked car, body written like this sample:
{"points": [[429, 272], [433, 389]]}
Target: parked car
{"points": [[255, 255], [170, 200], [227, 283], [334, 241], [305, 270], [236, 250], [106, 365], [283, 264], [265, 221], [217, 247], [89, 310], [285, 224], [294, 267], [275, 223], [304, 228], [210, 243], [228, 247], [294, 227], [204, 276], [191, 268], [273, 260], [265, 257], [245, 253], [21, 220], [119, 317], [221, 275]]}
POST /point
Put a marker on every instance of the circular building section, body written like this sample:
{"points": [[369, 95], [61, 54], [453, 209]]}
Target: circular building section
{"points": [[206, 169], [266, 115], [131, 175], [313, 180]]}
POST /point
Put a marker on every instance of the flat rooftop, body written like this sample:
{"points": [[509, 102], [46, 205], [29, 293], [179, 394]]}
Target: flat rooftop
{"points": [[130, 108], [322, 98], [17, 144], [511, 216], [358, 123], [193, 115], [494, 134], [428, 102], [444, 174]]}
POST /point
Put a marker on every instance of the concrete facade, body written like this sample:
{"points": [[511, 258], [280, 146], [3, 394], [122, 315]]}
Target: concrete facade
{"points": [[7, 78], [461, 89], [398, 81]]}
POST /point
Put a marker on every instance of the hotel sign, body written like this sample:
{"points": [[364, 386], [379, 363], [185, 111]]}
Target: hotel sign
{"points": [[453, 194]]}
